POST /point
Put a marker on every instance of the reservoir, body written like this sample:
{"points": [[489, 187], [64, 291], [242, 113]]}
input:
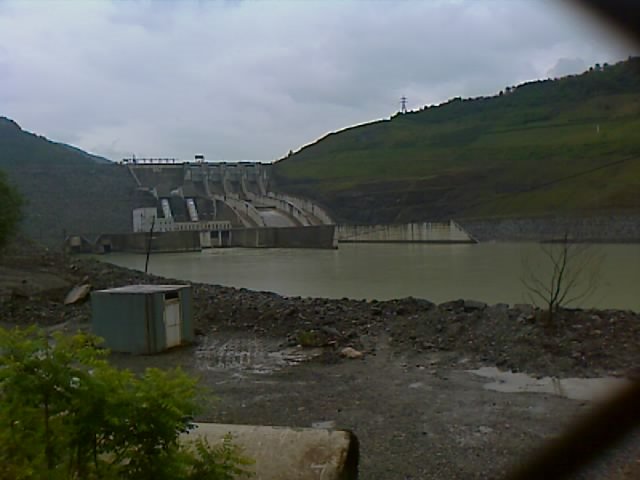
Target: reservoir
{"points": [[489, 272]]}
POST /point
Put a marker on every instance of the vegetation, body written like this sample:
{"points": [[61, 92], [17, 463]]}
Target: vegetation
{"points": [[20, 147], [567, 273], [65, 189], [66, 414], [567, 145], [10, 210]]}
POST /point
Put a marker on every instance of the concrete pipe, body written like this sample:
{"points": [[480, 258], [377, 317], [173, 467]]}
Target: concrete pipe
{"points": [[282, 453]]}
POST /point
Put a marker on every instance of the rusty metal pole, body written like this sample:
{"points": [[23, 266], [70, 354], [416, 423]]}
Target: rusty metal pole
{"points": [[146, 263]]}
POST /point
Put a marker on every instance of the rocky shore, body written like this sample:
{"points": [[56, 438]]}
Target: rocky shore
{"points": [[616, 227], [577, 342]]}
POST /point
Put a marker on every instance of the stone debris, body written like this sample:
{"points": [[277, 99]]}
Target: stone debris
{"points": [[473, 305], [352, 353], [77, 294]]}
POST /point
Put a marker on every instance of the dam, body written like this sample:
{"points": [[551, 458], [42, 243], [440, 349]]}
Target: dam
{"points": [[190, 205], [198, 204], [238, 193]]}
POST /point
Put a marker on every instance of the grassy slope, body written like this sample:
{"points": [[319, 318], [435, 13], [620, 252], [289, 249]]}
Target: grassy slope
{"points": [[533, 151], [66, 189]]}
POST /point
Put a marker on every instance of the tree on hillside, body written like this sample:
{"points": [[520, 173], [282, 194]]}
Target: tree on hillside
{"points": [[568, 272], [10, 204]]}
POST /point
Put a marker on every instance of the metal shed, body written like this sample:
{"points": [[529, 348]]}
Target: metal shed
{"points": [[143, 318]]}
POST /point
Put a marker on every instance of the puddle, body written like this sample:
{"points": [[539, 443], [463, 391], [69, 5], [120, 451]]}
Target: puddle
{"points": [[574, 388], [249, 354]]}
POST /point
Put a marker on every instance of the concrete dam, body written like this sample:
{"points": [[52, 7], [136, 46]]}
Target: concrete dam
{"points": [[225, 204], [193, 205]]}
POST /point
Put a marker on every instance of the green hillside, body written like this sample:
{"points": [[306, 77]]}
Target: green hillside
{"points": [[566, 146], [20, 147], [65, 188]]}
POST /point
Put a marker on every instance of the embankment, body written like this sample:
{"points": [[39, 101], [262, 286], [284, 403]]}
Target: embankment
{"points": [[419, 232], [613, 228], [579, 342]]}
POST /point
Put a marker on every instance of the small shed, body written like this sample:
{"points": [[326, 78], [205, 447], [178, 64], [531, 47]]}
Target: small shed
{"points": [[143, 319]]}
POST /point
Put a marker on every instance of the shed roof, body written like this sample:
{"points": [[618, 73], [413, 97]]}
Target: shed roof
{"points": [[144, 289]]}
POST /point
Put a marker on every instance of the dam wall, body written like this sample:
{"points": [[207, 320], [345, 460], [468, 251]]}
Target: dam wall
{"points": [[222, 191], [305, 205], [248, 214], [424, 232], [299, 215], [318, 236], [162, 242]]}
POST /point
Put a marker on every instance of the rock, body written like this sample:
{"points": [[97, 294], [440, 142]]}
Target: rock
{"points": [[502, 307], [525, 308], [77, 294], [331, 331], [452, 305], [351, 353], [473, 305]]}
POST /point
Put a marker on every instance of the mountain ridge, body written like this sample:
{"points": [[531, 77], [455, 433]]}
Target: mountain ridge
{"points": [[17, 142]]}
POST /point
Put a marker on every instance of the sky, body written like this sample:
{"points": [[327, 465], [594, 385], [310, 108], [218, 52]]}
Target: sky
{"points": [[251, 80]]}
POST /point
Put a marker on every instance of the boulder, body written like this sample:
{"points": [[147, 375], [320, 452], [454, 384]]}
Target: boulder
{"points": [[351, 353], [473, 305], [77, 294]]}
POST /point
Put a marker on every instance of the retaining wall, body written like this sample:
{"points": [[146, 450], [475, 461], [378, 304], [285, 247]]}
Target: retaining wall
{"points": [[319, 236], [599, 229], [425, 232], [162, 242]]}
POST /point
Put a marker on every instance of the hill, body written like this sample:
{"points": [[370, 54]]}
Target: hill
{"points": [[65, 188], [567, 146], [19, 146]]}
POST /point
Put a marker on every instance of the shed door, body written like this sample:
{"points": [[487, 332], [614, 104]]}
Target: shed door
{"points": [[172, 320]]}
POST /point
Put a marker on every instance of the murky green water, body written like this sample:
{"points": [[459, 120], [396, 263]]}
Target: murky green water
{"points": [[490, 272]]}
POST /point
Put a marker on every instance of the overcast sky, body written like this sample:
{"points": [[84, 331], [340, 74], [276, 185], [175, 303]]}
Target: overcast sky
{"points": [[240, 79]]}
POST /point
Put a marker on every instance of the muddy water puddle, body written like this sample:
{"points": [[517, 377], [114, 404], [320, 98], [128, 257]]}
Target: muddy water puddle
{"points": [[251, 355], [588, 389]]}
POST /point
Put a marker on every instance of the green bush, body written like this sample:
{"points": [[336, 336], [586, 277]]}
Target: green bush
{"points": [[65, 413]]}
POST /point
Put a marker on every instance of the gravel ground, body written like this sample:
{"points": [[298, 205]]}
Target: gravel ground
{"points": [[417, 410]]}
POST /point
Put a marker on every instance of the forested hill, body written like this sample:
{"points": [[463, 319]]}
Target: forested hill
{"points": [[19, 146], [566, 146], [65, 189]]}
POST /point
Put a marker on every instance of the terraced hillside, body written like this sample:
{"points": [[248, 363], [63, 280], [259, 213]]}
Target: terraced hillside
{"points": [[569, 146], [66, 189]]}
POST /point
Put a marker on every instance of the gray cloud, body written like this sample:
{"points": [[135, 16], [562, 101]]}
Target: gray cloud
{"points": [[251, 80]]}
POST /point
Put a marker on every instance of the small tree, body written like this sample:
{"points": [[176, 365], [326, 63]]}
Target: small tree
{"points": [[10, 211], [568, 272], [65, 413]]}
